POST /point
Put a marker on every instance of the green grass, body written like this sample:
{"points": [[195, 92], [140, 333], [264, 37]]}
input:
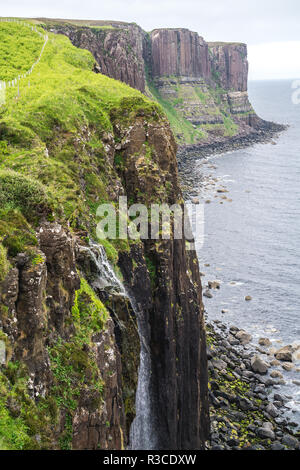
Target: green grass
{"points": [[180, 126], [53, 132], [4, 264], [20, 47], [209, 100], [231, 127]]}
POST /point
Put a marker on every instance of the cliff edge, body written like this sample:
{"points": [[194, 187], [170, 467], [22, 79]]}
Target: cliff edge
{"points": [[104, 339], [202, 86]]}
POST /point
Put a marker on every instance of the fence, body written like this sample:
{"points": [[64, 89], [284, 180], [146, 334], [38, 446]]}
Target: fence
{"points": [[15, 82]]}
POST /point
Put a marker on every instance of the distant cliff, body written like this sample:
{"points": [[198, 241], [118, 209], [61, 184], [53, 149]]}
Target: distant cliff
{"points": [[201, 86], [179, 52], [117, 47]]}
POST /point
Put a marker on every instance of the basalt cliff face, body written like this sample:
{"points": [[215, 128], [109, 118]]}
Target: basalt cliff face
{"points": [[229, 63], [117, 47], [179, 52], [47, 303], [201, 86]]}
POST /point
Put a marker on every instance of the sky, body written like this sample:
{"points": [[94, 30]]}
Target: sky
{"points": [[271, 28]]}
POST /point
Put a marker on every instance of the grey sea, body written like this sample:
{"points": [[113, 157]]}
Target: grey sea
{"points": [[252, 238]]}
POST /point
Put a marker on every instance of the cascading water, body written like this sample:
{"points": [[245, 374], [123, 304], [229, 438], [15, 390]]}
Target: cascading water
{"points": [[142, 432], [106, 279]]}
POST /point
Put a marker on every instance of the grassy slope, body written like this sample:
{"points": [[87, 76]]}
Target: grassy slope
{"points": [[51, 141], [19, 49], [184, 130], [58, 119]]}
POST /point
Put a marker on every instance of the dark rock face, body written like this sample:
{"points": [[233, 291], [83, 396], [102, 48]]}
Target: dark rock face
{"points": [[39, 298], [40, 292], [229, 65], [174, 309], [118, 50], [202, 82], [179, 52]]}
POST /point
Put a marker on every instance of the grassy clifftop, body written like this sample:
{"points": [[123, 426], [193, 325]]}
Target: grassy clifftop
{"points": [[19, 49], [54, 165], [52, 133]]}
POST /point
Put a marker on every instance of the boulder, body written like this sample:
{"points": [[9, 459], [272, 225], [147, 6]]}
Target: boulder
{"points": [[243, 337], [259, 366], [288, 366], [266, 432], [207, 294], [290, 441], [264, 342], [272, 411], [284, 354], [214, 284], [275, 374]]}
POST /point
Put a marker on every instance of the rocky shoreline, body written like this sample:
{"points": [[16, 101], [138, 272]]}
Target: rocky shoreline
{"points": [[245, 414], [266, 132], [248, 411]]}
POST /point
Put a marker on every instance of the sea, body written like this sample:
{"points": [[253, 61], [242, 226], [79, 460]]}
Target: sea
{"points": [[252, 231]]}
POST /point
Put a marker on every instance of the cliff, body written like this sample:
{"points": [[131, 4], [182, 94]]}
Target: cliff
{"points": [[88, 322], [229, 65], [117, 47], [201, 86], [179, 52]]}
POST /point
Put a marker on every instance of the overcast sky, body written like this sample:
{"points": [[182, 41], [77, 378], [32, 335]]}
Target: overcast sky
{"points": [[271, 28]]}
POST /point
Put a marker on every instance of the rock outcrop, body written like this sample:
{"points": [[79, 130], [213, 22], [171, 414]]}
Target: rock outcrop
{"points": [[202, 86], [179, 52], [75, 340], [229, 65], [117, 47], [174, 310]]}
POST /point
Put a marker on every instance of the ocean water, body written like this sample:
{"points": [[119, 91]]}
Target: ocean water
{"points": [[252, 238]]}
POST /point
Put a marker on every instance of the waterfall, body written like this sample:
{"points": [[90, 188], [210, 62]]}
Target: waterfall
{"points": [[142, 432], [106, 279]]}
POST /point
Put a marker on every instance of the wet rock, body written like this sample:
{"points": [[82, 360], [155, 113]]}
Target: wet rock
{"points": [[288, 366], [214, 284], [284, 354], [275, 363], [290, 441], [272, 411], [259, 366], [275, 374], [278, 397], [233, 329], [264, 342], [243, 337], [207, 294]]}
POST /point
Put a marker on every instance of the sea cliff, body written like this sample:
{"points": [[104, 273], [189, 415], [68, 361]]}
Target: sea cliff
{"points": [[202, 86]]}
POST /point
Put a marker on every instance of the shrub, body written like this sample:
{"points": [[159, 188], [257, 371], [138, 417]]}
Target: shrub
{"points": [[22, 192]]}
